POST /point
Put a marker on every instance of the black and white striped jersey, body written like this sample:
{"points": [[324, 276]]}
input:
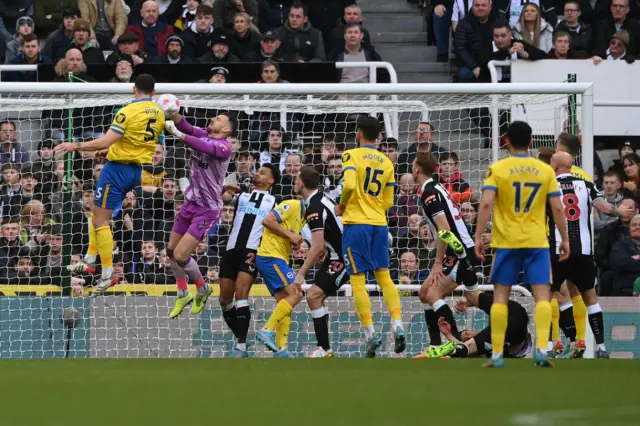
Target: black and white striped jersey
{"points": [[247, 228], [577, 197], [437, 201], [320, 214]]}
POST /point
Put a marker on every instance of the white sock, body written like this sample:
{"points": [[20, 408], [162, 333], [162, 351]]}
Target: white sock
{"points": [[242, 303], [369, 331], [241, 346], [318, 313], [397, 325], [565, 306], [601, 346], [594, 309], [107, 273], [427, 307], [438, 304], [226, 308], [90, 259], [550, 346]]}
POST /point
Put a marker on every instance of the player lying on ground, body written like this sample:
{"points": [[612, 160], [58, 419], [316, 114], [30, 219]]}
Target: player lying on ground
{"points": [[518, 189], [282, 232], [518, 342], [326, 244], [455, 259], [238, 265], [368, 192], [210, 156], [579, 271], [128, 145]]}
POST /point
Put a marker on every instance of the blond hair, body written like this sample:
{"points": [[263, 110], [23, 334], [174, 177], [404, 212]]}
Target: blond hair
{"points": [[526, 36], [31, 208]]}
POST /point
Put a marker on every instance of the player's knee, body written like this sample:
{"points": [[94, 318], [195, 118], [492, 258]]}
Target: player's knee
{"points": [[314, 294], [180, 256], [432, 294]]}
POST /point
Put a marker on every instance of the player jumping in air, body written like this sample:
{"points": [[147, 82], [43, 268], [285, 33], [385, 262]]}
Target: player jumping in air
{"points": [[369, 181], [238, 265], [131, 141], [203, 207], [326, 241], [283, 225], [517, 342], [519, 188]]}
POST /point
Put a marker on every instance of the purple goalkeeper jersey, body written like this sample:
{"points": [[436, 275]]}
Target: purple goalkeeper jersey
{"points": [[209, 162]]}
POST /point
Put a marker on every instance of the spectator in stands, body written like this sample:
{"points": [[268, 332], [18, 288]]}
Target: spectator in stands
{"points": [[33, 217], [323, 14], [50, 256], [47, 14], [299, 39], [146, 269], [168, 10], [512, 10], [353, 50], [618, 49], [333, 181], [631, 184], [625, 261], [81, 33], [24, 272], [10, 150], [187, 16], [152, 34], [442, 19], [217, 75], [562, 47], [352, 15], [389, 147], [612, 25], [409, 274], [272, 14], [451, 178], [423, 142], [579, 31], [174, 47], [220, 50], [612, 194], [10, 245], [44, 164], [472, 41], [269, 50], [533, 29], [504, 47], [409, 236], [124, 72], [24, 26], [469, 215], [11, 12], [275, 153], [59, 40], [26, 192], [200, 34], [213, 275], [131, 224], [224, 11], [611, 233], [406, 203], [10, 181], [460, 10], [127, 44], [154, 173], [107, 18], [30, 55], [284, 189], [624, 149], [245, 37]]}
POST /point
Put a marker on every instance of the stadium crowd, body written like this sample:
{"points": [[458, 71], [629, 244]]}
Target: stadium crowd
{"points": [[123, 34]]}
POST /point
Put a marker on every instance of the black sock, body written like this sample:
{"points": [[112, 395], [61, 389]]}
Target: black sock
{"points": [[432, 326], [596, 321], [567, 324], [230, 318], [243, 319], [321, 327], [445, 311], [461, 351]]}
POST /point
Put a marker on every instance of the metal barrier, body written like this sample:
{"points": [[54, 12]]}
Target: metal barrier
{"points": [[13, 68]]}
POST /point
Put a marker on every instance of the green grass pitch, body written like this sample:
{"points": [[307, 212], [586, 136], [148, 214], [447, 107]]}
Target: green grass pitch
{"points": [[323, 392]]}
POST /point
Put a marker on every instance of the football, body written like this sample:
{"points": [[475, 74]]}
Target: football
{"points": [[169, 103]]}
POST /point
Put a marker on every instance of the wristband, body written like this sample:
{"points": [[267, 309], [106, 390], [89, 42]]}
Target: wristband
{"points": [[178, 134]]}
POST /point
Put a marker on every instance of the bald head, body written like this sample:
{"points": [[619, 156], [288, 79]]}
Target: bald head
{"points": [[561, 162], [150, 12]]}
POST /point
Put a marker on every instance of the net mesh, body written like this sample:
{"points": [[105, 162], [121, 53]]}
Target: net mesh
{"points": [[41, 317]]}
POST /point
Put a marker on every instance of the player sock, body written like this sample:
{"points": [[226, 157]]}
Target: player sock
{"points": [[391, 296], [243, 319], [92, 252], [104, 241], [461, 351], [596, 320], [282, 332], [183, 289], [229, 314], [542, 320], [499, 318], [192, 270], [441, 309], [580, 317], [567, 324], [321, 326], [361, 300], [432, 325], [282, 309], [555, 320]]}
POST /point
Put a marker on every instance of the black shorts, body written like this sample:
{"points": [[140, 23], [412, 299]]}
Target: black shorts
{"points": [[517, 324], [579, 269], [463, 271], [238, 260], [331, 276]]}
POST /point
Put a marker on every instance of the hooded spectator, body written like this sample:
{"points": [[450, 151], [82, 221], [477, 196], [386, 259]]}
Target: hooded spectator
{"points": [[617, 21], [269, 49], [188, 15], [152, 33], [272, 14], [10, 12], [299, 39], [579, 31], [128, 45], [107, 18], [245, 38], [81, 35], [562, 47], [533, 29], [174, 55], [30, 56], [47, 14], [59, 40], [24, 26], [224, 12], [199, 35], [220, 50]]}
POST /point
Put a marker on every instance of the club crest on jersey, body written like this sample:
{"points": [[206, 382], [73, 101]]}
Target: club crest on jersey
{"points": [[120, 118], [489, 172], [346, 157], [286, 207], [204, 224]]}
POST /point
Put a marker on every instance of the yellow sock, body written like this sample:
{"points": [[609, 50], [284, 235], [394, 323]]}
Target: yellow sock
{"points": [[282, 332], [555, 320], [93, 239], [283, 309], [104, 241], [390, 293], [499, 318], [361, 299], [543, 322], [580, 317]]}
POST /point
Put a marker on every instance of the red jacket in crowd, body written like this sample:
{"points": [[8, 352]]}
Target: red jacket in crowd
{"points": [[458, 188], [161, 36]]}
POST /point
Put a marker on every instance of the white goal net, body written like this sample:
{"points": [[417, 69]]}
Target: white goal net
{"points": [[46, 200]]}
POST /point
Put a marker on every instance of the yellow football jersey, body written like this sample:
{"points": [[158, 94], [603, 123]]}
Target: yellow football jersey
{"points": [[373, 172], [581, 174], [140, 123], [522, 185], [290, 214]]}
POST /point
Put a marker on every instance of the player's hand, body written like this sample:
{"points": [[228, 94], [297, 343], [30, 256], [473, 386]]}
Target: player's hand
{"points": [[77, 286], [170, 127], [338, 210], [626, 212], [479, 248], [460, 306], [65, 147], [230, 188], [564, 251], [295, 239], [296, 288], [299, 280], [436, 276], [101, 154], [444, 326]]}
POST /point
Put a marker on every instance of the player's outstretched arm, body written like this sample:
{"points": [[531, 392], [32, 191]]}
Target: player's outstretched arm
{"points": [[484, 213], [103, 142], [216, 148], [317, 248], [557, 210], [184, 126]]}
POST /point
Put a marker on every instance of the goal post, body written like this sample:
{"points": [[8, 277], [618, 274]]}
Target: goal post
{"points": [[36, 320]]}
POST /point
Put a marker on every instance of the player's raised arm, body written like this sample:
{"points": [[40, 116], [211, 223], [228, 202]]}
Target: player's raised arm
{"points": [[184, 126], [213, 142]]}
